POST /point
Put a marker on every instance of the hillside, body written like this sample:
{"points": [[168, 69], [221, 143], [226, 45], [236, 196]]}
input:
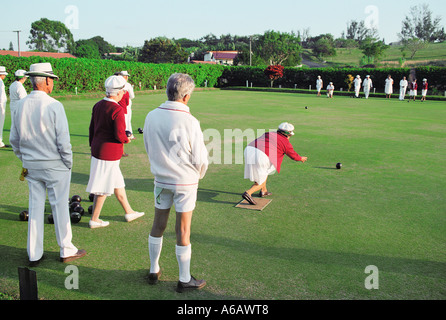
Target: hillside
{"points": [[434, 54]]}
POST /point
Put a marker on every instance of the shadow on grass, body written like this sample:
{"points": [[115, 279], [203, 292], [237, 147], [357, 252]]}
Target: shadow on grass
{"points": [[97, 283]]}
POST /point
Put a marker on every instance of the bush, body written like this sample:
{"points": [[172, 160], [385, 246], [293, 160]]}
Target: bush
{"points": [[89, 75]]}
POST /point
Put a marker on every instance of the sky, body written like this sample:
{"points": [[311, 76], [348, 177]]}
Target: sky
{"points": [[130, 23]]}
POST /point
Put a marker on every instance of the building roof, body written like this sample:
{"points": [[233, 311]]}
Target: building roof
{"points": [[224, 55], [56, 55]]}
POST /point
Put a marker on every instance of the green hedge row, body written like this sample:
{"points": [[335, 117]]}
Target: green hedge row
{"points": [[303, 78], [88, 75]]}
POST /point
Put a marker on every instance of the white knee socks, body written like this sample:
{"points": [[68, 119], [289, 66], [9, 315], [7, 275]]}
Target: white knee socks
{"points": [[155, 246], [184, 254]]}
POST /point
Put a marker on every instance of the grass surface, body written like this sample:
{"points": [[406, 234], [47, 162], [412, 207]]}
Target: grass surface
{"points": [[385, 207]]}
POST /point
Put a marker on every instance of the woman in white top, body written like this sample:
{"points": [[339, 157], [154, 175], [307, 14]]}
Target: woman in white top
{"points": [[389, 87], [17, 91]]}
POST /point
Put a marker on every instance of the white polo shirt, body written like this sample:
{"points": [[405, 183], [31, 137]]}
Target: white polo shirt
{"points": [[16, 92]]}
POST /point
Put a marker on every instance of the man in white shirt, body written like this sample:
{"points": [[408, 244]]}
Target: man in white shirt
{"points": [[403, 88], [178, 159], [357, 83], [17, 91], [319, 85], [40, 138], [367, 84], [128, 116], [3, 100]]}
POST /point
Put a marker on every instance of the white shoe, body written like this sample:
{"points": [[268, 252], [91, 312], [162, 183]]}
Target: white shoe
{"points": [[98, 224], [132, 216]]}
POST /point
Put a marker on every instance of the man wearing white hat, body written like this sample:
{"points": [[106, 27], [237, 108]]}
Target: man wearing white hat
{"points": [[107, 138], [264, 157], [17, 91], [367, 85], [357, 83], [40, 138], [131, 95], [3, 100], [403, 88]]}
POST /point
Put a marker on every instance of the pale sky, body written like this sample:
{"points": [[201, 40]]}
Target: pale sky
{"points": [[131, 22]]}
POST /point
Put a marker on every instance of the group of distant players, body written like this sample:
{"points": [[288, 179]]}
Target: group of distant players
{"points": [[367, 84]]}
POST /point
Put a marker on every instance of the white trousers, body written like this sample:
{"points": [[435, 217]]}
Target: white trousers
{"points": [[57, 182], [357, 89], [402, 92], [128, 118], [2, 121]]}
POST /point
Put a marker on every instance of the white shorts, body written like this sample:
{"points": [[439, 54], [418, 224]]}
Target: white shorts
{"points": [[257, 165], [413, 93], [105, 177], [423, 93], [183, 199]]}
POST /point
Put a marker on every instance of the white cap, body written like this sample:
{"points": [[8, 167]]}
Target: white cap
{"points": [[114, 83], [358, 76], [20, 73], [3, 71], [287, 127], [41, 70], [424, 79], [122, 73]]}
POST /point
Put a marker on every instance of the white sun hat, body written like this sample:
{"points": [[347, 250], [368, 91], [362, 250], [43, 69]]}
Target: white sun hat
{"points": [[41, 70], [20, 73], [3, 71], [114, 83], [287, 128]]}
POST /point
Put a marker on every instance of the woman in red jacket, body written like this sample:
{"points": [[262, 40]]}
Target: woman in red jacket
{"points": [[264, 156], [107, 138]]}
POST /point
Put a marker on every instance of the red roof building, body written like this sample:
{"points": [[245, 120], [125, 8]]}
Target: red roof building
{"points": [[56, 55], [221, 57]]}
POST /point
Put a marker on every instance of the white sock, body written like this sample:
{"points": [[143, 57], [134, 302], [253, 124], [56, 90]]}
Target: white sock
{"points": [[184, 254], [155, 246]]}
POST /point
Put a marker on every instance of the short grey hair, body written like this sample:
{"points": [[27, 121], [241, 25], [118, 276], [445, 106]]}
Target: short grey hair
{"points": [[179, 85], [36, 81]]}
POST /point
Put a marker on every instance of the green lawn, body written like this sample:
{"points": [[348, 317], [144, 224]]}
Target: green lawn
{"points": [[385, 207]]}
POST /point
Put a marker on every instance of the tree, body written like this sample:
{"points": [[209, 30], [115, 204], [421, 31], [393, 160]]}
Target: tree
{"points": [[413, 45], [103, 46], [274, 72], [323, 46], [420, 25], [359, 32], [162, 50], [86, 49], [373, 48], [51, 36], [276, 47]]}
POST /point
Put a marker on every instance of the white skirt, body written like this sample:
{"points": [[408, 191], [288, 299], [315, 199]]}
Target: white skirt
{"points": [[257, 165], [105, 177]]}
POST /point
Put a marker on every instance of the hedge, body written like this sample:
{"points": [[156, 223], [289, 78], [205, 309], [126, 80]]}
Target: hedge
{"points": [[88, 75]]}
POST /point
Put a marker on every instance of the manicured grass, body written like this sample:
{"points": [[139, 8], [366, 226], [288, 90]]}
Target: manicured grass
{"points": [[385, 207]]}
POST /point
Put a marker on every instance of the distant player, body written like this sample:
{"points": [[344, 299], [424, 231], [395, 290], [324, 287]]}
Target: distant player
{"points": [[389, 87], [367, 84], [413, 87], [319, 85], [403, 88], [357, 83], [424, 90], [330, 90]]}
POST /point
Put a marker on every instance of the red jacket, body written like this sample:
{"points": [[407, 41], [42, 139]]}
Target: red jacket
{"points": [[413, 85], [107, 131], [276, 146]]}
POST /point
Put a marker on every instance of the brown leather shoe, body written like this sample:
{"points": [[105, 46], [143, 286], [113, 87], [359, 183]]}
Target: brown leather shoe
{"points": [[79, 254], [248, 198], [264, 194]]}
